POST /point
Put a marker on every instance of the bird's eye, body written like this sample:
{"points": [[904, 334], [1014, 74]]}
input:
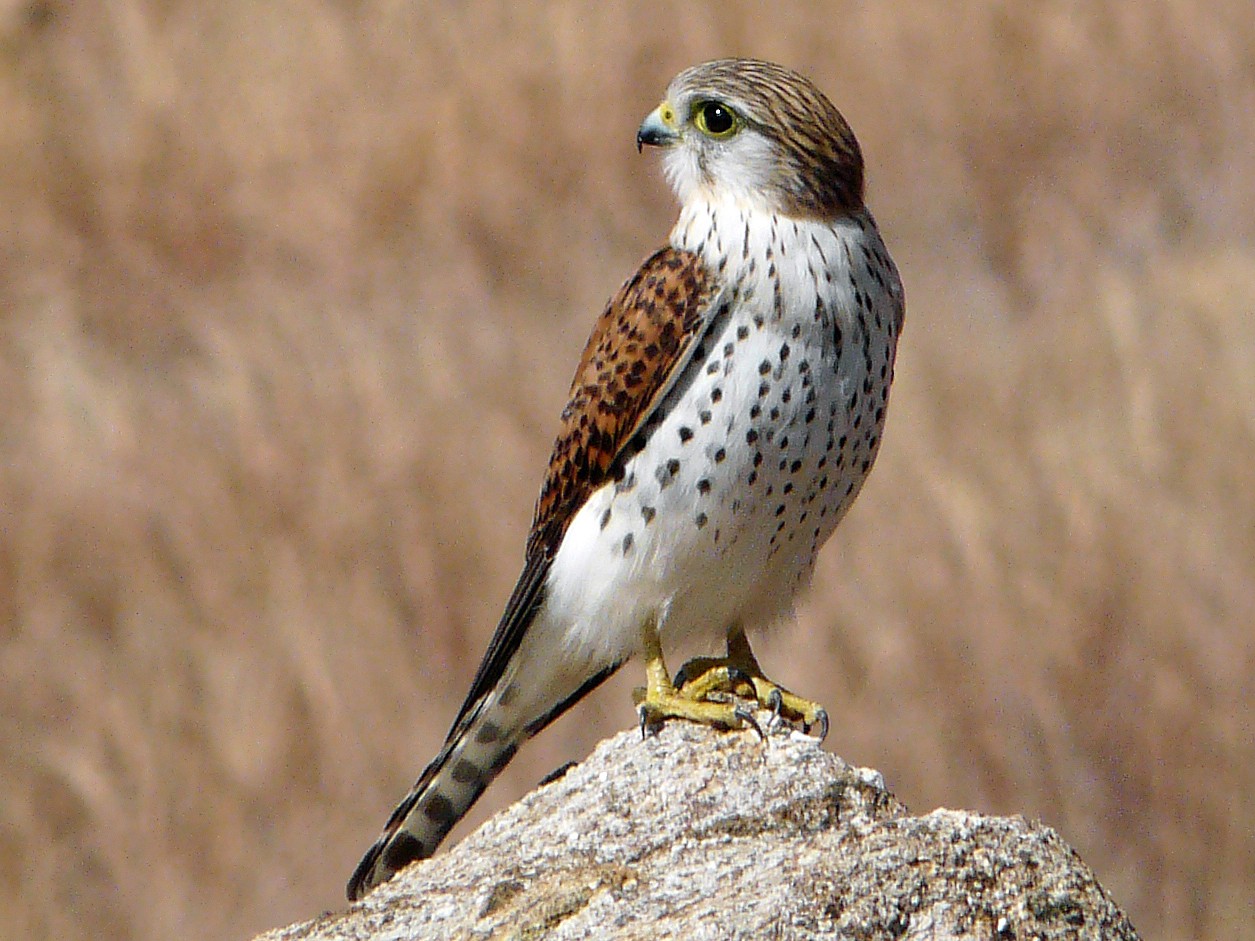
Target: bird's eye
{"points": [[715, 120]]}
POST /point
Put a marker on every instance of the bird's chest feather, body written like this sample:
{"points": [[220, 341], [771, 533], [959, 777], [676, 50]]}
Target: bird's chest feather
{"points": [[746, 467], [760, 447]]}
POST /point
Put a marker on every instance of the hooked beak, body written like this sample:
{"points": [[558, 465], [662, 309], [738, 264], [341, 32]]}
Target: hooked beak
{"points": [[658, 129]]}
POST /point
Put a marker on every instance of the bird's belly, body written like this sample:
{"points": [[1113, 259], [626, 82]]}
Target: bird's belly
{"points": [[716, 520]]}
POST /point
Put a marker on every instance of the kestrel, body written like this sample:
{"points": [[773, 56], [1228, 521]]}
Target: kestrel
{"points": [[723, 417]]}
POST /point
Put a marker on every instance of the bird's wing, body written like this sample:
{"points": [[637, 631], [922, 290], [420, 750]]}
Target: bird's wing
{"points": [[638, 348]]}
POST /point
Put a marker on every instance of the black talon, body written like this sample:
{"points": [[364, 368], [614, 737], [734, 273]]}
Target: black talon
{"points": [[748, 718], [775, 702], [643, 711], [821, 719], [681, 677]]}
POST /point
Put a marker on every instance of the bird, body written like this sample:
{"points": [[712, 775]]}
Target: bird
{"points": [[723, 416]]}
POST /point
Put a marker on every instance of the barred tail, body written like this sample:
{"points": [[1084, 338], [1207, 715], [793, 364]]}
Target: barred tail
{"points": [[447, 789], [478, 748]]}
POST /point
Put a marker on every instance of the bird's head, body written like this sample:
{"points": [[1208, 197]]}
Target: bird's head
{"points": [[760, 133]]}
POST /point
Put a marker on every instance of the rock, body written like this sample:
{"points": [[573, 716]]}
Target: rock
{"points": [[694, 834]]}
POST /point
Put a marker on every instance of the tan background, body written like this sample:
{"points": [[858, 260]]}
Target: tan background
{"points": [[290, 294]]}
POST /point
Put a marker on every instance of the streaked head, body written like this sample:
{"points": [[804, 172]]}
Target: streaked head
{"points": [[756, 132]]}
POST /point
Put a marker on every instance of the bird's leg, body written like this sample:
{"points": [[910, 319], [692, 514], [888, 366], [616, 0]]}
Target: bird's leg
{"points": [[660, 701], [739, 673]]}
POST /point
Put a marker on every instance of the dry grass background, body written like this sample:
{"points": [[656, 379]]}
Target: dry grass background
{"points": [[289, 296]]}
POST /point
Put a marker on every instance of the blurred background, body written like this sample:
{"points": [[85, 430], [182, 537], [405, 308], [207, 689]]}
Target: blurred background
{"points": [[290, 295]]}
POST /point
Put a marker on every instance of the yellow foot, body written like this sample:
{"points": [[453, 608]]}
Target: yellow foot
{"points": [[657, 708], [740, 675], [660, 700]]}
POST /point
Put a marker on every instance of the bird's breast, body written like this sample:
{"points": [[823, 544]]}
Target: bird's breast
{"points": [[758, 450]]}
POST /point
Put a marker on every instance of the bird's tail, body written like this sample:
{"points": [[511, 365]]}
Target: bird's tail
{"points": [[478, 748]]}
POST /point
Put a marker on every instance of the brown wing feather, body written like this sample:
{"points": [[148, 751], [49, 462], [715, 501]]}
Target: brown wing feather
{"points": [[637, 347]]}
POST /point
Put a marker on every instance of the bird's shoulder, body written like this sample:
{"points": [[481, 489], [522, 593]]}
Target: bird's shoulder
{"points": [[639, 345]]}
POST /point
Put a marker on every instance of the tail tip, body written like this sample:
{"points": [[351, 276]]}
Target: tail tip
{"points": [[392, 853]]}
